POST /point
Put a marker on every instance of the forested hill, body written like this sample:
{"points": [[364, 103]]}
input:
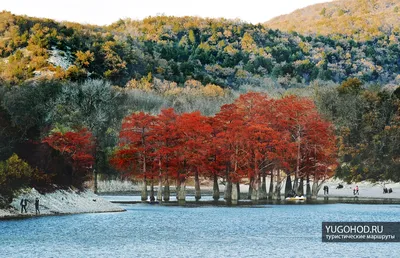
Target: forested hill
{"points": [[182, 63], [361, 19], [227, 53]]}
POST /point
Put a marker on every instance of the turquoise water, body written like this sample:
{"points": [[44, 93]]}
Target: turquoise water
{"points": [[159, 231]]}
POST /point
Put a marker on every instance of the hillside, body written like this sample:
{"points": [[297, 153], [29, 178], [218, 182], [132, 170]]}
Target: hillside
{"points": [[71, 123], [361, 19], [226, 53]]}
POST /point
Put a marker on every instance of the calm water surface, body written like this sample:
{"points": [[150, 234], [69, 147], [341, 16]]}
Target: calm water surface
{"points": [[157, 231]]}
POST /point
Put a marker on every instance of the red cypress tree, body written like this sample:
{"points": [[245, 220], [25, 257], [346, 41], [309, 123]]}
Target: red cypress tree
{"points": [[165, 140], [77, 147], [194, 134], [134, 155]]}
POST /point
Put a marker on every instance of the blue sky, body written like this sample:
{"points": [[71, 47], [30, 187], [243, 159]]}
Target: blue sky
{"points": [[103, 12]]}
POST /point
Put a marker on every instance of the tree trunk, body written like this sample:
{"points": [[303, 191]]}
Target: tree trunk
{"points": [[228, 191], [271, 186], [182, 193], [255, 194], [316, 186], [144, 190], [228, 187], [160, 189], [308, 191], [235, 195], [197, 195], [300, 190], [296, 185], [215, 188], [166, 191], [250, 192], [177, 188], [263, 189], [277, 192], [238, 189], [95, 181], [288, 185], [152, 198], [296, 175]]}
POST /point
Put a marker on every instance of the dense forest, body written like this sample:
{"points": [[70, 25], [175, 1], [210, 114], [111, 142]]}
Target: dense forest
{"points": [[226, 53], [66, 89]]}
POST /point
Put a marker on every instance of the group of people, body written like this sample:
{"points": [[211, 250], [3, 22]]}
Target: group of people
{"points": [[385, 190], [24, 204], [340, 186]]}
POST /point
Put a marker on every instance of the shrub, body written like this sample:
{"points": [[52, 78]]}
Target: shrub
{"points": [[14, 175]]}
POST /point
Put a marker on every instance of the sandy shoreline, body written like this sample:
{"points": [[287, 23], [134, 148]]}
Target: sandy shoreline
{"points": [[366, 189], [64, 202], [61, 202]]}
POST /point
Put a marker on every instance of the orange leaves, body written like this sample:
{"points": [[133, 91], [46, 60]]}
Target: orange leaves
{"points": [[167, 143], [310, 134], [194, 136], [253, 135], [134, 153], [257, 133], [77, 146], [135, 129]]}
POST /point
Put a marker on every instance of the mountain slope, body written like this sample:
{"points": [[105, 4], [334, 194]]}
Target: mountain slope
{"points": [[221, 52], [363, 19]]}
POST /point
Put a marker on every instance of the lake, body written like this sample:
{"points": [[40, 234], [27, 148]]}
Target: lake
{"points": [[207, 231]]}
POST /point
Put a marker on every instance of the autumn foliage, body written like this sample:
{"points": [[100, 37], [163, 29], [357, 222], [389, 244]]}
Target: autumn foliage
{"points": [[77, 148], [254, 137]]}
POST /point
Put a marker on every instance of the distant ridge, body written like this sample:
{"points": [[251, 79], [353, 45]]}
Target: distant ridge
{"points": [[362, 19]]}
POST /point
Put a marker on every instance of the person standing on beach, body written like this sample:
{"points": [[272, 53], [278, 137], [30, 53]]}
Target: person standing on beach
{"points": [[25, 204], [37, 206], [326, 190], [22, 205], [356, 190]]}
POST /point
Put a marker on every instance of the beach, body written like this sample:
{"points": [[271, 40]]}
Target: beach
{"points": [[366, 190], [59, 202], [74, 202]]}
